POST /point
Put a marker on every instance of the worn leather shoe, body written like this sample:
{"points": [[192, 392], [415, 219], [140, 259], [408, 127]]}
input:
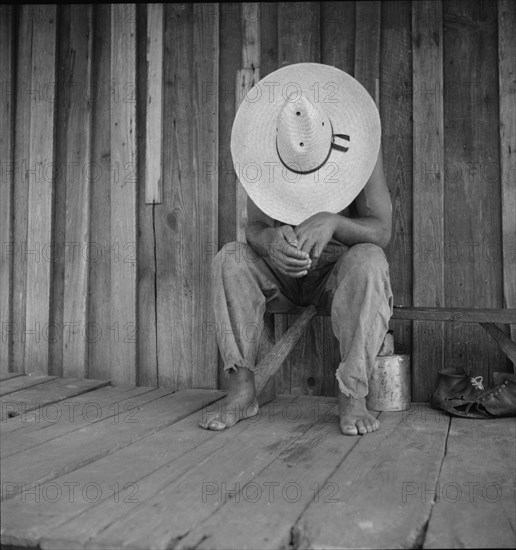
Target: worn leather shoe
{"points": [[454, 389], [496, 402]]}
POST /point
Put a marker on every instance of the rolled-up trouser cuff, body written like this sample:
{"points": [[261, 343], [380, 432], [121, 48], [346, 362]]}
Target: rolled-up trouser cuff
{"points": [[360, 391]]}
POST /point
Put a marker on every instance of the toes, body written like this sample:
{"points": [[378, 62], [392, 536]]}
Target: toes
{"points": [[348, 426], [216, 425], [349, 429], [361, 427]]}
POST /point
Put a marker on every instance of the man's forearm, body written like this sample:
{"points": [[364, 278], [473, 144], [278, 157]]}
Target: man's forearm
{"points": [[351, 231]]}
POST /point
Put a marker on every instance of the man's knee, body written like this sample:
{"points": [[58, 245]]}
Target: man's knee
{"points": [[366, 260], [234, 255]]}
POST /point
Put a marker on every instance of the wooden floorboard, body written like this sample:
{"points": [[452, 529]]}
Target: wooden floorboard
{"points": [[262, 514], [284, 479], [475, 504], [14, 384], [8, 375], [372, 510], [68, 452], [50, 391], [46, 423], [172, 500]]}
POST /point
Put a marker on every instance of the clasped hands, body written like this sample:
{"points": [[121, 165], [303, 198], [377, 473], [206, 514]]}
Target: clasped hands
{"points": [[294, 251]]}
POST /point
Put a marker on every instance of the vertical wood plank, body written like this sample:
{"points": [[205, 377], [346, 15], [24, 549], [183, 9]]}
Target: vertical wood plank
{"points": [[428, 192], [246, 78], [41, 183], [268, 37], [154, 128], [298, 42], [367, 45], [205, 156], [186, 222], [21, 187], [338, 35], [251, 35], [123, 194], [396, 116], [337, 49], [230, 48], [473, 273], [147, 352], [507, 79], [65, 86], [99, 294], [78, 138], [299, 38], [7, 178], [230, 45]]}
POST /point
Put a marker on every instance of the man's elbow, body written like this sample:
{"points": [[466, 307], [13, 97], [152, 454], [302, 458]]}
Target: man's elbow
{"points": [[384, 235]]}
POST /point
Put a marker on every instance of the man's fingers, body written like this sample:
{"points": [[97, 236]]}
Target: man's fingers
{"points": [[289, 235], [294, 253]]}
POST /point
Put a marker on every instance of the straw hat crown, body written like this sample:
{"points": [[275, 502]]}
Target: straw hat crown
{"points": [[304, 135]]}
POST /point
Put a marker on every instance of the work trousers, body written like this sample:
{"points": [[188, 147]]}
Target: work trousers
{"points": [[350, 283]]}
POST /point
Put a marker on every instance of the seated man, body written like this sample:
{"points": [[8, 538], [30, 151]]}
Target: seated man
{"points": [[331, 260]]}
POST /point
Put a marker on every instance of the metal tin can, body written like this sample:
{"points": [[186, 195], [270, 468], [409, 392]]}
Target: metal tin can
{"points": [[390, 384]]}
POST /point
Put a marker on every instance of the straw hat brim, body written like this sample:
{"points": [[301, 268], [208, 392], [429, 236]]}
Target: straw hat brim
{"points": [[284, 195]]}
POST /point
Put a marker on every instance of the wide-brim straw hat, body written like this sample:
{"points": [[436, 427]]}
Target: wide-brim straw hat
{"points": [[305, 139]]}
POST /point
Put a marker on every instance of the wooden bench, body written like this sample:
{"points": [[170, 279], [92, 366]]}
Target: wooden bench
{"points": [[487, 318]]}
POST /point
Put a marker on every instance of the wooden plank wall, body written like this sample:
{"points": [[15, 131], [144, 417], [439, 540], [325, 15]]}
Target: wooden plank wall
{"points": [[104, 276]]}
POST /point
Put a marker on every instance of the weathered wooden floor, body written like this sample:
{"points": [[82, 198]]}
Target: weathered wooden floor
{"points": [[85, 464]]}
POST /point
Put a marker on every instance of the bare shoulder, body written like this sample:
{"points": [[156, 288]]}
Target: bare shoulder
{"points": [[375, 200]]}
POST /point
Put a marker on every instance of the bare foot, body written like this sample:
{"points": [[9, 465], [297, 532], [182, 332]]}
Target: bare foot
{"points": [[354, 417], [239, 403]]}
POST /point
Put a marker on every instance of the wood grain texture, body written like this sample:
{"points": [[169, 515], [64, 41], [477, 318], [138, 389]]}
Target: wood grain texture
{"points": [[245, 79], [186, 222], [371, 509], [123, 194], [247, 443], [396, 117], [298, 32], [338, 35], [251, 35], [62, 521], [154, 104], [147, 350], [367, 45], [505, 343], [41, 189], [99, 279], [507, 125], [22, 402], [59, 456], [428, 192], [269, 365], [23, 382], [7, 107], [21, 188], [456, 314], [295, 480], [78, 155], [230, 53], [481, 495], [39, 426], [472, 253], [268, 37]]}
